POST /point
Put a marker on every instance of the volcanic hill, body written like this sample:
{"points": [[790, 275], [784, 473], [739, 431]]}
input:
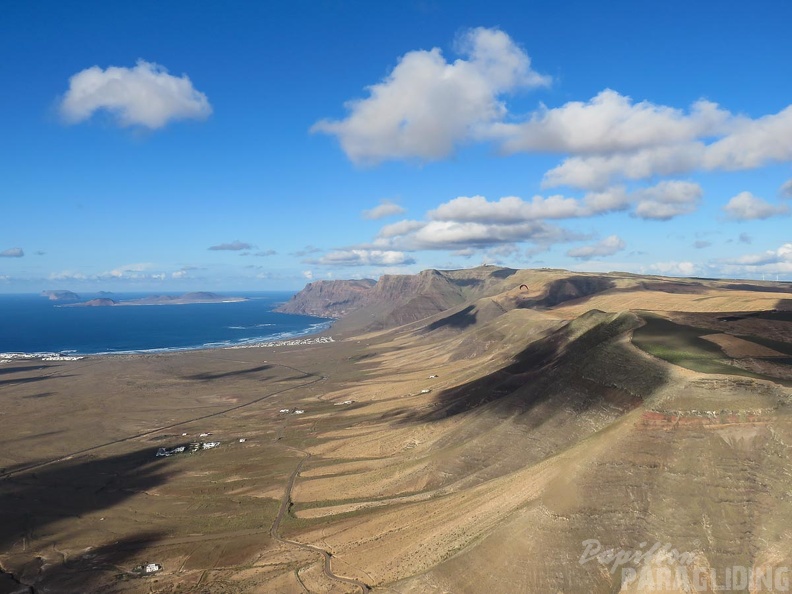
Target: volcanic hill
{"points": [[466, 431]]}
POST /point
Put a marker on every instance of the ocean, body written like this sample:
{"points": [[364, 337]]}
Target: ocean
{"points": [[34, 324]]}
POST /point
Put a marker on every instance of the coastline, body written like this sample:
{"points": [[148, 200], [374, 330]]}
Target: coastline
{"points": [[314, 333], [36, 330]]}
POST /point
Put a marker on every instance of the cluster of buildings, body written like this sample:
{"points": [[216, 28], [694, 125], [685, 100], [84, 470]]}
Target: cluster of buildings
{"points": [[189, 448], [279, 343]]}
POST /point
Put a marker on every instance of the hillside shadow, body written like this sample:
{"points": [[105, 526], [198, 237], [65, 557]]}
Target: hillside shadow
{"points": [[759, 288], [556, 372], [568, 289], [40, 395], [784, 305], [32, 501], [96, 570], [30, 380], [213, 376], [23, 368], [459, 320], [503, 273]]}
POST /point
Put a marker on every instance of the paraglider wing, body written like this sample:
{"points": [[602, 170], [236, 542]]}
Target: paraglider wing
{"points": [[523, 287]]}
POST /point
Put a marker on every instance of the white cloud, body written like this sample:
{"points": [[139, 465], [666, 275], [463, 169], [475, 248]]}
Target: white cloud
{"points": [[128, 271], [735, 143], [67, 275], [509, 209], [770, 261], [747, 207], [179, 274], [473, 222], [308, 274], [426, 106], [599, 171], [607, 247], [786, 189], [399, 228], [753, 143], [234, 246], [667, 200], [610, 123], [386, 208], [145, 95], [674, 268], [12, 253], [456, 235], [365, 257], [662, 201]]}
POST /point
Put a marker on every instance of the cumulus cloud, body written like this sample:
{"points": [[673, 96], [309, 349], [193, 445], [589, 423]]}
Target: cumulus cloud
{"points": [[145, 95], [474, 222], [234, 246], [674, 268], [365, 257], [386, 208], [786, 189], [599, 171], [67, 275], [752, 143], [667, 200], [716, 140], [426, 106], [134, 272], [610, 123], [770, 261], [308, 274], [747, 207], [12, 253], [509, 209], [131, 271], [662, 202], [456, 235], [607, 247]]}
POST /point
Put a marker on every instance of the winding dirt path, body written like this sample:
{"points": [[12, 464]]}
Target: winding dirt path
{"points": [[274, 532]]}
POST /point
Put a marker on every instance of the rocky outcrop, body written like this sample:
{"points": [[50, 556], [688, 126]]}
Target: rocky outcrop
{"points": [[329, 299], [396, 299]]}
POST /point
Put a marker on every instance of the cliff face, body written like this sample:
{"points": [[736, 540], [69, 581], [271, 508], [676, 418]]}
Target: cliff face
{"points": [[395, 299], [329, 299]]}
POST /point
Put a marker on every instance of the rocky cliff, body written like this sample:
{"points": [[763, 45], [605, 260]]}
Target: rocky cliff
{"points": [[396, 299], [329, 299]]}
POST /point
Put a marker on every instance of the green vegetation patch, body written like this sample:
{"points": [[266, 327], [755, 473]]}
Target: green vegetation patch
{"points": [[683, 346]]}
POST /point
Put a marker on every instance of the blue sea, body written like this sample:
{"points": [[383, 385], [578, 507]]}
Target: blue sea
{"points": [[34, 324]]}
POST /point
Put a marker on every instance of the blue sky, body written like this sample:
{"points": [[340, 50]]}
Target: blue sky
{"points": [[220, 146]]}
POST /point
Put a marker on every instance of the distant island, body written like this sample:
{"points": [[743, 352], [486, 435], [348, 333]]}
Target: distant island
{"points": [[60, 295], [187, 298]]}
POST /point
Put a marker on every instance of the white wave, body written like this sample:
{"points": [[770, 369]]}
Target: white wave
{"points": [[224, 344]]}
